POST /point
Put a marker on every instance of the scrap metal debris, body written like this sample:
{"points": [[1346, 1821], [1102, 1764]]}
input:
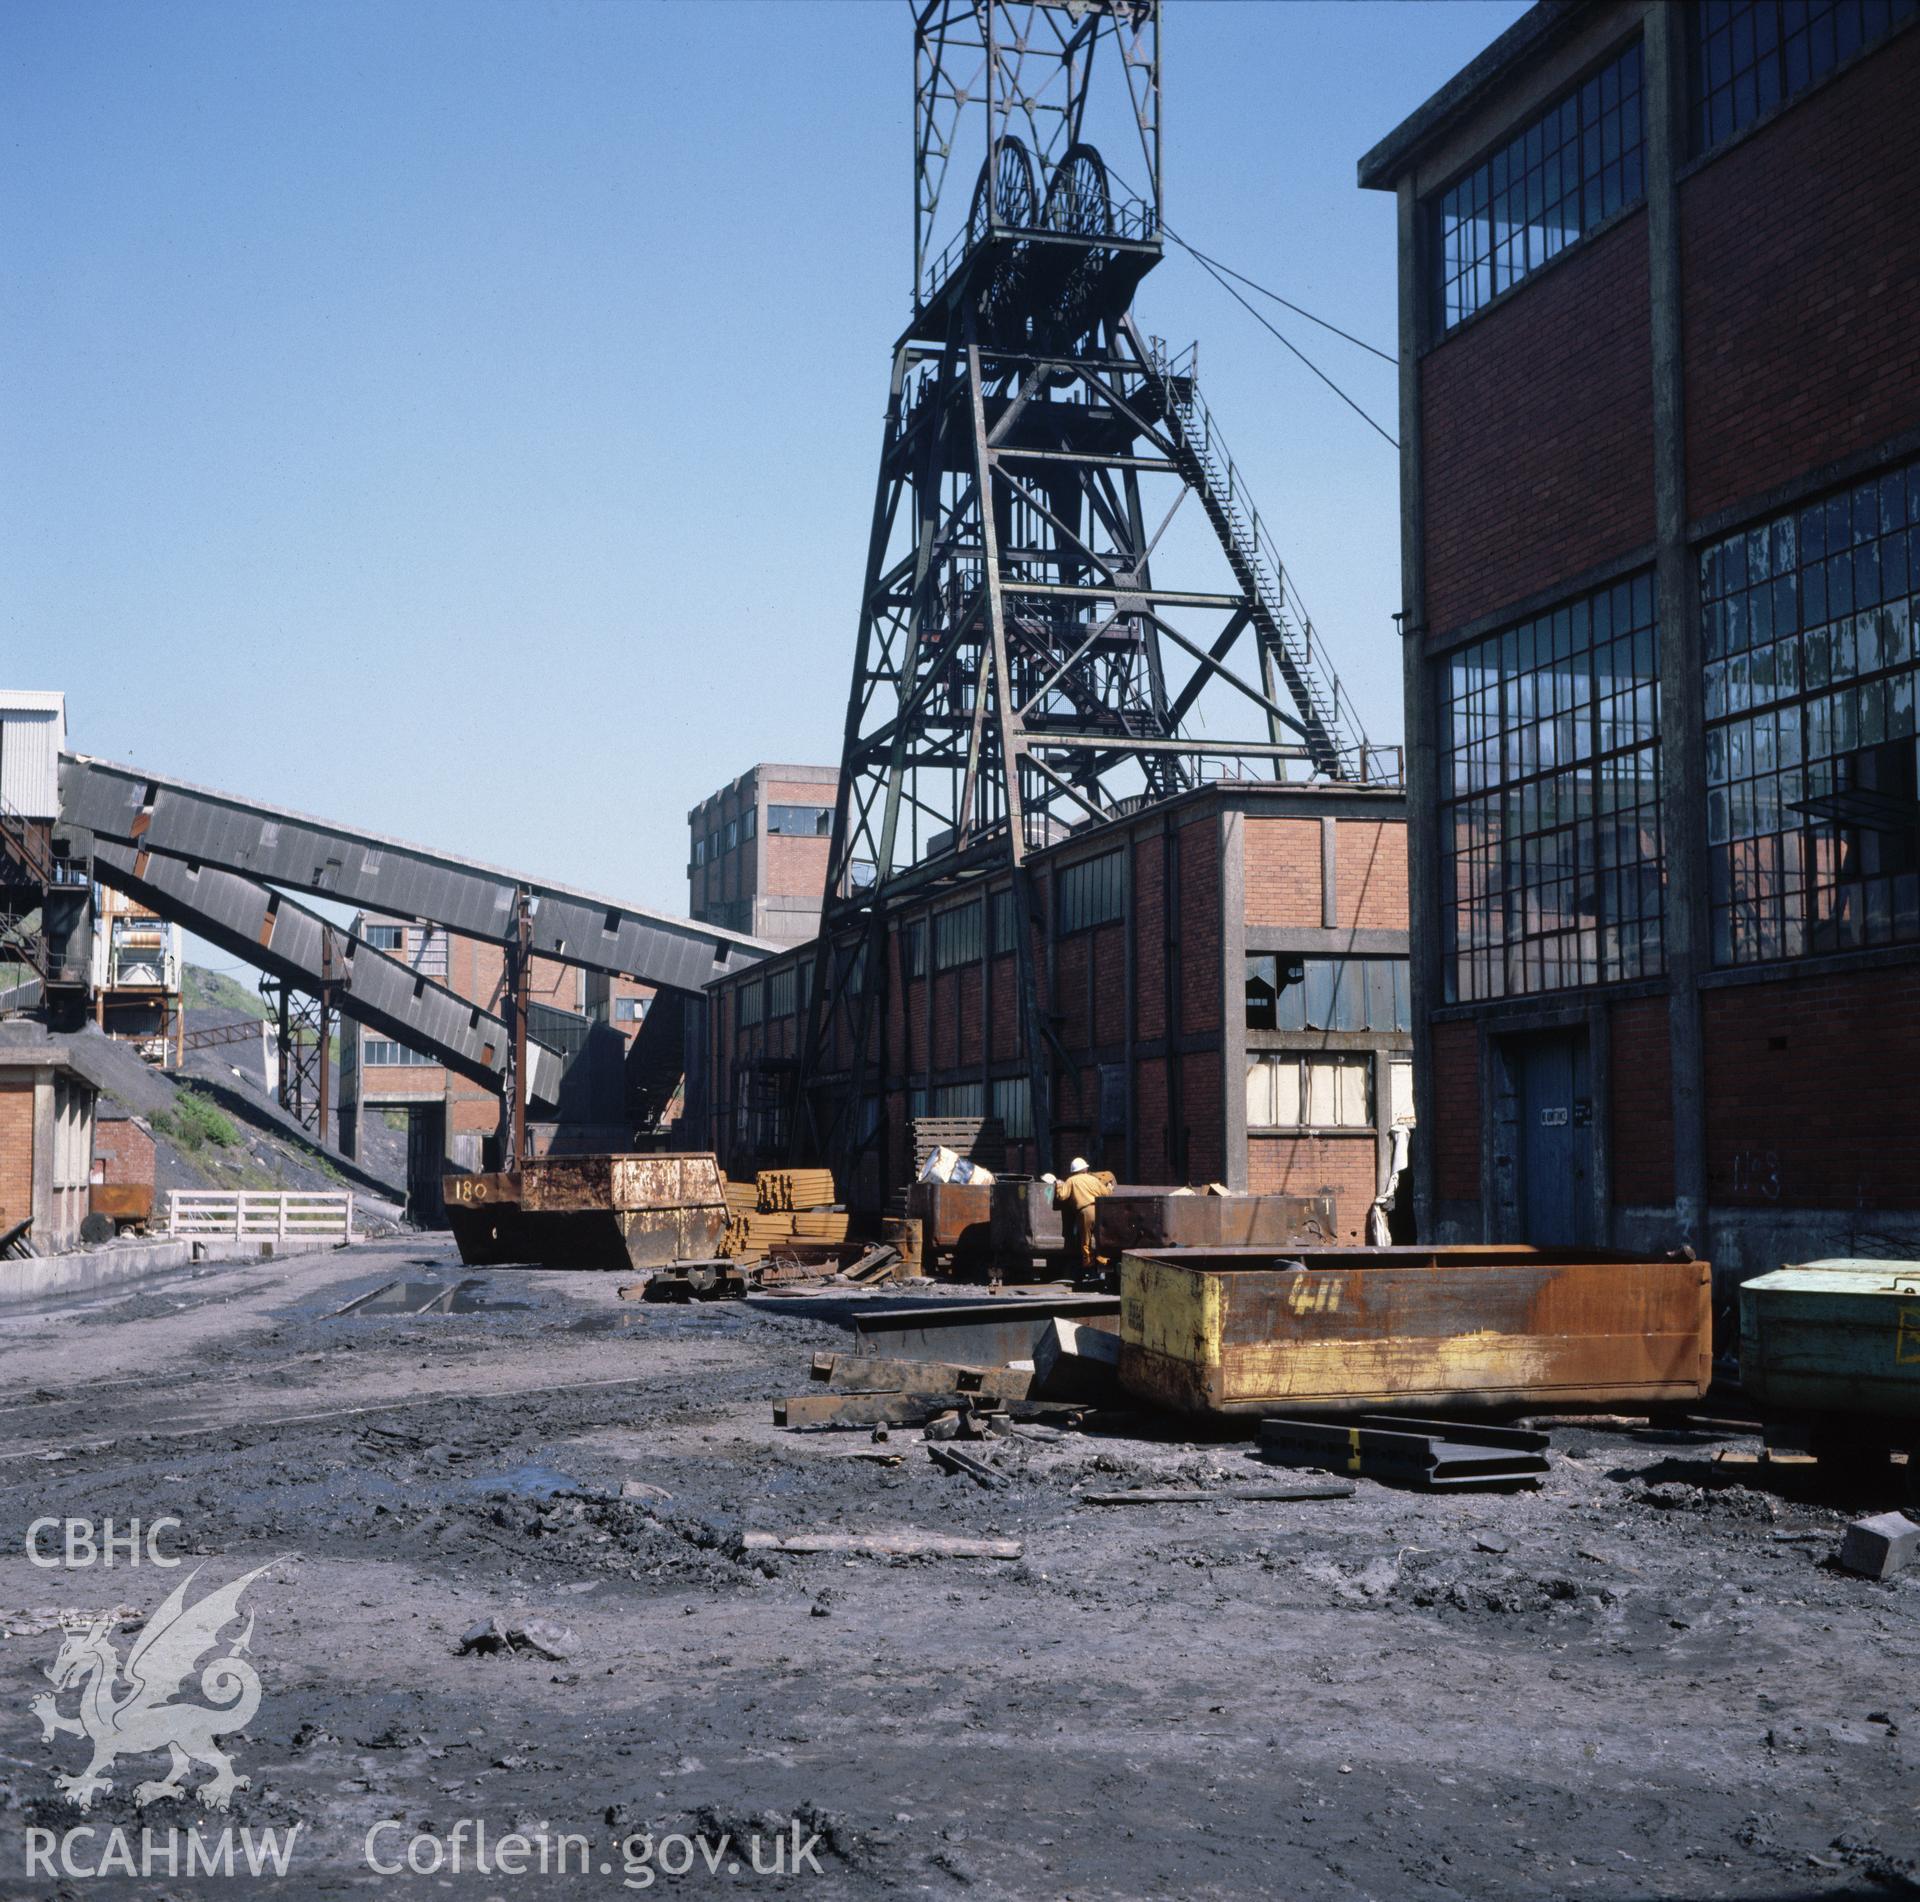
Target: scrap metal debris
{"points": [[1430, 1454], [886, 1545], [531, 1637]]}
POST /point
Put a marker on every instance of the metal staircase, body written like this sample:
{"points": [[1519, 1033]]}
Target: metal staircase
{"points": [[1335, 740], [30, 874]]}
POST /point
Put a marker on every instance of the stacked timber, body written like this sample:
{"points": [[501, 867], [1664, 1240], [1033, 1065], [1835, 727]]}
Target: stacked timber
{"points": [[743, 1199], [820, 1225], [781, 1190], [764, 1232]]}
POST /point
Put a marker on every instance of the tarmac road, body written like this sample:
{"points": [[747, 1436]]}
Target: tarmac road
{"points": [[1622, 1685]]}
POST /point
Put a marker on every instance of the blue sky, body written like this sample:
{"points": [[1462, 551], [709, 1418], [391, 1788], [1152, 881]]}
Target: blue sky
{"points": [[462, 419]]}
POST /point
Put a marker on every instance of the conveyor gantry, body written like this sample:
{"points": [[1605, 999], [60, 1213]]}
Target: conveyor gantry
{"points": [[281, 936], [303, 854], [220, 867]]}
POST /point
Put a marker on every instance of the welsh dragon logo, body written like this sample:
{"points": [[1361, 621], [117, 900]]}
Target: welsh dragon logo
{"points": [[138, 1707]]}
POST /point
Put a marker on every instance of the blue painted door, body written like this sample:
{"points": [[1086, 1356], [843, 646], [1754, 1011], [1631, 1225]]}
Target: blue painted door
{"points": [[1556, 1147]]}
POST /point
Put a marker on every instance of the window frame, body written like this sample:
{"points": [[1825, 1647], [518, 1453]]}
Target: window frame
{"points": [[1553, 856], [1781, 614], [958, 935], [1748, 58], [1305, 1063], [1466, 277], [820, 826], [1093, 891]]}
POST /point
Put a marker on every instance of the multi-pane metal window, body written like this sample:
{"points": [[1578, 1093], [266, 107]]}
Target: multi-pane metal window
{"points": [[1092, 892], [1569, 170], [801, 822], [629, 1010], [1553, 869], [959, 1099], [782, 991], [1808, 624], [750, 999], [1012, 1102], [1749, 55], [384, 1053], [1312, 1092], [387, 937], [1296, 993], [913, 949], [1005, 922], [956, 936]]}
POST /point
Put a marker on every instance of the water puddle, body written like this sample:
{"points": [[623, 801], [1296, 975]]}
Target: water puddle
{"points": [[431, 1297], [527, 1482]]}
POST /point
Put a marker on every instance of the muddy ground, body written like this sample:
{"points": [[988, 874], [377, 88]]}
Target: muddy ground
{"points": [[1624, 1684]]}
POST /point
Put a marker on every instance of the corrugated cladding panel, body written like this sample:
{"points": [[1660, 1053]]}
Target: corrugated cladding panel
{"points": [[33, 730]]}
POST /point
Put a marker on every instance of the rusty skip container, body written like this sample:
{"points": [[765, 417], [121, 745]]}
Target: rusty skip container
{"points": [[957, 1219], [483, 1211], [1024, 1223], [1223, 1330], [607, 1211], [1149, 1218]]}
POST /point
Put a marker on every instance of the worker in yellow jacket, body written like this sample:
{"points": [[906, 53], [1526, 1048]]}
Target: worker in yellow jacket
{"points": [[1074, 1195]]}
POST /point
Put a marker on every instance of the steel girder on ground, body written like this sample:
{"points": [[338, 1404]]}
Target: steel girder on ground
{"points": [[283, 938], [295, 852]]}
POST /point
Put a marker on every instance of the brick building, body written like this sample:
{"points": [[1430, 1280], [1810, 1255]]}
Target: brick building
{"points": [[757, 857], [1660, 427], [449, 1117], [1225, 972], [47, 1104]]}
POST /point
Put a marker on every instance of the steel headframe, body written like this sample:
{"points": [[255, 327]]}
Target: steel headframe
{"points": [[1023, 668]]}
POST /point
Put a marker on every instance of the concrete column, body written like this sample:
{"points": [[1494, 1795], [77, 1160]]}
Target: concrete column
{"points": [[1682, 748], [1424, 889], [1233, 985], [46, 1230], [1329, 873]]}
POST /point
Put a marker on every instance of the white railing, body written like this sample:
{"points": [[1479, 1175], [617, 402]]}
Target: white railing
{"points": [[261, 1214]]}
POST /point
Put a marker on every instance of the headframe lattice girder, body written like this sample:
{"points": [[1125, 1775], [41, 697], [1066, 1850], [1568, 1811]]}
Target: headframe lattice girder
{"points": [[1031, 657]]}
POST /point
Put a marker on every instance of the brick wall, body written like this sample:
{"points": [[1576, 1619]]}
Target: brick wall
{"points": [[1204, 1115], [1640, 1048], [1537, 423], [1200, 930], [1109, 953], [1800, 253], [1070, 987], [945, 1020], [1285, 874], [793, 868], [1456, 1112], [1150, 1120], [16, 1152], [1810, 1094], [1005, 1032], [126, 1150], [969, 1008], [1370, 877], [1149, 926], [1283, 882], [1307, 1165]]}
